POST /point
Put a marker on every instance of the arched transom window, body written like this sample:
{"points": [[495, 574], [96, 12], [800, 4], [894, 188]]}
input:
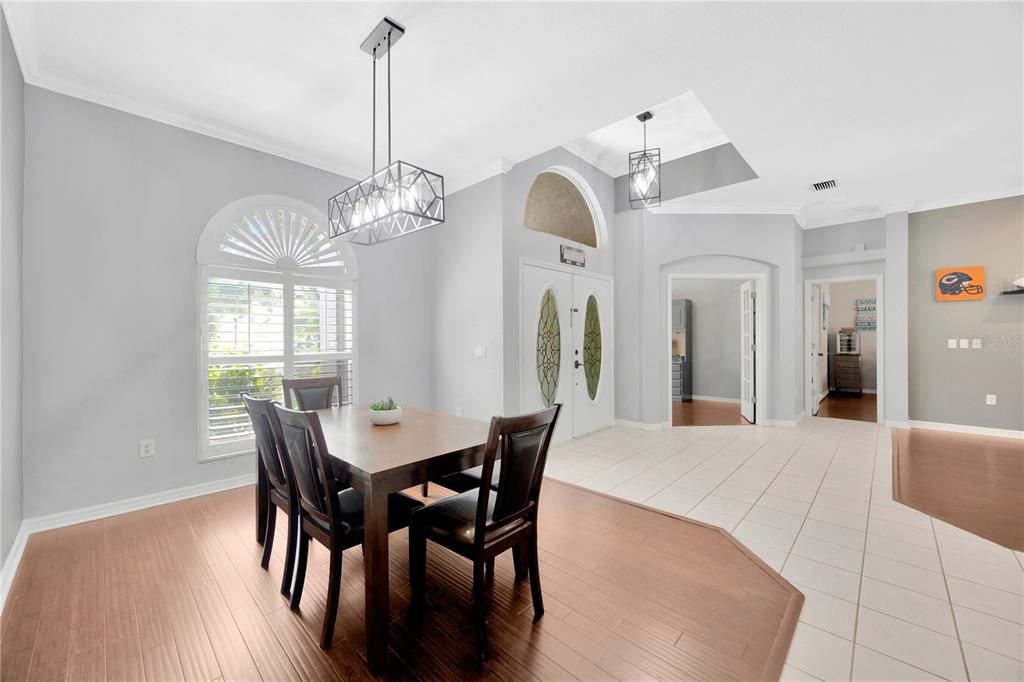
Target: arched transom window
{"points": [[277, 300]]}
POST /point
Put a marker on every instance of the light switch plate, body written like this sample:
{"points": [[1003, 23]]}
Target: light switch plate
{"points": [[950, 343], [965, 343], [990, 398], [480, 351], [975, 344], [147, 448]]}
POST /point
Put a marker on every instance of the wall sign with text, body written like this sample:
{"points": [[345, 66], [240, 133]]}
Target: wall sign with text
{"points": [[965, 283], [573, 256]]}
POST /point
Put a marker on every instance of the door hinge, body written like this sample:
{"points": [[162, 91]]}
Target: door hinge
{"points": [[753, 347], [753, 400]]}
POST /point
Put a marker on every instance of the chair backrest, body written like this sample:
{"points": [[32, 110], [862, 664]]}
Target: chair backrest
{"points": [[263, 418], [303, 444], [524, 443], [311, 394]]}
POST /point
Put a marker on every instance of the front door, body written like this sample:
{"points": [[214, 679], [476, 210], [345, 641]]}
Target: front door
{"points": [[593, 405], [748, 351], [566, 348]]}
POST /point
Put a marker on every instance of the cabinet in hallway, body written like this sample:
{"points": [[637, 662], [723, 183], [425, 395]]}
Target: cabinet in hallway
{"points": [[682, 350]]}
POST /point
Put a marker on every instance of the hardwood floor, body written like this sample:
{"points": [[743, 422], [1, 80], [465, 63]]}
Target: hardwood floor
{"points": [[176, 592], [706, 413], [862, 407], [972, 482]]}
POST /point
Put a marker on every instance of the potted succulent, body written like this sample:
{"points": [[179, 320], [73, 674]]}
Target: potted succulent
{"points": [[385, 412]]}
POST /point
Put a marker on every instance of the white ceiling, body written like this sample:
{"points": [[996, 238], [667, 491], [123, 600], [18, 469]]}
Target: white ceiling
{"points": [[908, 105], [680, 127]]}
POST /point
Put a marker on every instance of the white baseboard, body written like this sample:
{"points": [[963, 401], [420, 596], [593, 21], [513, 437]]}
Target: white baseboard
{"points": [[716, 399], [963, 428], [10, 566], [100, 511], [897, 424], [644, 426], [869, 390], [780, 422]]}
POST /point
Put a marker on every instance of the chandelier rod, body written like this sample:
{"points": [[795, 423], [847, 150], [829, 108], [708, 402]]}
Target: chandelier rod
{"points": [[373, 124], [389, 98]]}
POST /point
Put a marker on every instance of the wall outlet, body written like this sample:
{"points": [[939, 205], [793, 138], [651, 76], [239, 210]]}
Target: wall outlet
{"points": [[147, 448], [458, 411], [480, 351], [951, 343], [965, 343], [990, 398], [975, 344]]}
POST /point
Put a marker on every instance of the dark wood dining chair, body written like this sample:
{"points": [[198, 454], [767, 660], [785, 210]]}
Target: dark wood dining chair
{"points": [[314, 393], [329, 511], [279, 492], [480, 524]]}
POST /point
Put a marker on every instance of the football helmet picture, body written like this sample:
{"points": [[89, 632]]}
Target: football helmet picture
{"points": [[956, 283]]}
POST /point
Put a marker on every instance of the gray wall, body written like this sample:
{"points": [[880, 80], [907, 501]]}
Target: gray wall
{"points": [[114, 206], [949, 386], [651, 246], [716, 335], [12, 158], [842, 238], [843, 313], [466, 306]]}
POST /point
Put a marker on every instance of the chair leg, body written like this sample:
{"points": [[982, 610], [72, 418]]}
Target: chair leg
{"points": [[300, 568], [425, 489], [268, 541], [519, 560], [417, 564], [480, 609], [289, 555], [490, 567], [333, 593], [538, 598]]}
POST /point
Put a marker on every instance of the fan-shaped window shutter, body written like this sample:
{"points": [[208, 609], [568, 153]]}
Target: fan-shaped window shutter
{"points": [[555, 205], [277, 301]]}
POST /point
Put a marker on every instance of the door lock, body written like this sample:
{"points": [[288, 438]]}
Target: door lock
{"points": [[577, 364]]}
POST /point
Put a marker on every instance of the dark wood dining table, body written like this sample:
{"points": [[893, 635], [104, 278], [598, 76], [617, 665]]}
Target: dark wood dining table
{"points": [[381, 460]]}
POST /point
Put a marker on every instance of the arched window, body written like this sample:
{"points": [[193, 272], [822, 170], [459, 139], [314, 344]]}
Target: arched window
{"points": [[560, 202], [276, 300]]}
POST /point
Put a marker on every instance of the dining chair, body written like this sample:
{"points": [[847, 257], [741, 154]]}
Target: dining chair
{"points": [[329, 511], [482, 523], [279, 493], [313, 393]]}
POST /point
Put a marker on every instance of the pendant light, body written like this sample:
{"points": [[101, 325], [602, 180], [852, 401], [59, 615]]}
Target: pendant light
{"points": [[645, 172], [398, 199]]}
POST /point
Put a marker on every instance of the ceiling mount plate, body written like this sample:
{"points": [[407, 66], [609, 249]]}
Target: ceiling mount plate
{"points": [[643, 118], [378, 38]]}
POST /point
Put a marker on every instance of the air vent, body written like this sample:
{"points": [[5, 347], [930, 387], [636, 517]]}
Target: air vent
{"points": [[823, 185]]}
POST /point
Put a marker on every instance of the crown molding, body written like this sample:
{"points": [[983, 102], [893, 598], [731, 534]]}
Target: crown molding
{"points": [[461, 181], [723, 210], [1004, 193]]}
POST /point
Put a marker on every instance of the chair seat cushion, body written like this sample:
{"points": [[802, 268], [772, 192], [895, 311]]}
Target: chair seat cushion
{"points": [[400, 507], [470, 478], [453, 519]]}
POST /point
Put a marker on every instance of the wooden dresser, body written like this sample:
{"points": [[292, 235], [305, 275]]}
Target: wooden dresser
{"points": [[846, 372]]}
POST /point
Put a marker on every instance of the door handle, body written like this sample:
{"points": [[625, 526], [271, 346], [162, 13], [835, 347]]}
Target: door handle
{"points": [[577, 364], [821, 355]]}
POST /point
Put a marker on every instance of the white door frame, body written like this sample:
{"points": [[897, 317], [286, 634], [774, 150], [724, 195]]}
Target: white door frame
{"points": [[762, 390], [878, 279], [609, 325]]}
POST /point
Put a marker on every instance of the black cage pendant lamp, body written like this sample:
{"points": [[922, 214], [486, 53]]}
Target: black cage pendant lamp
{"points": [[645, 172], [400, 198]]}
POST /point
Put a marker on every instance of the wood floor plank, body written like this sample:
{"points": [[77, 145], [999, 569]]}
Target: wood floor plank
{"points": [[176, 592]]}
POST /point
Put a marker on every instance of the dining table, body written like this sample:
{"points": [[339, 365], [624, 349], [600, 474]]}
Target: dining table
{"points": [[381, 460]]}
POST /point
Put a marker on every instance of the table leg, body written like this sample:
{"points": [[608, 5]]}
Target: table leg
{"points": [[262, 501], [375, 569]]}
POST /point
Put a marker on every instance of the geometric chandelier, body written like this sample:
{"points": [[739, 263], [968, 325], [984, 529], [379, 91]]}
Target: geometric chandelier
{"points": [[398, 199], [645, 172]]}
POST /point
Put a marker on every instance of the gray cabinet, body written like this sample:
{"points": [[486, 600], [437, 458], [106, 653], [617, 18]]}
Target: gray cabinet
{"points": [[846, 372], [682, 350]]}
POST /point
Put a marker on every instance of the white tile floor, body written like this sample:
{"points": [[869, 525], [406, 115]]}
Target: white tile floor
{"points": [[891, 593]]}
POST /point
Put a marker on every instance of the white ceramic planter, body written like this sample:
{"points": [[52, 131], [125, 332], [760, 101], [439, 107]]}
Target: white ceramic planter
{"points": [[385, 417]]}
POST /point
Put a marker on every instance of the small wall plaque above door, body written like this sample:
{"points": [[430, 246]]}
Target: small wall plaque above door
{"points": [[573, 256]]}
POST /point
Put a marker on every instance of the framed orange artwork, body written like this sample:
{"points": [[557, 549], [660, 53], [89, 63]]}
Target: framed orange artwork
{"points": [[966, 283]]}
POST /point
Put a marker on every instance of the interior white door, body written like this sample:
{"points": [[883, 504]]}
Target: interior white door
{"points": [[814, 390], [592, 358], [547, 344], [748, 351]]}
